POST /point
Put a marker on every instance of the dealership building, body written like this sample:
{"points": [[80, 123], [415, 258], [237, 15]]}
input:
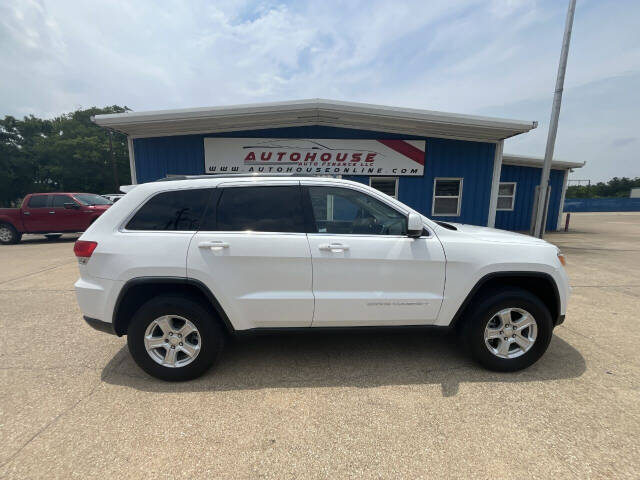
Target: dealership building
{"points": [[447, 166]]}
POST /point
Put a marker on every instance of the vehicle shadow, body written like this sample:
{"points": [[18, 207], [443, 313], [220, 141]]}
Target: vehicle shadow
{"points": [[346, 360], [33, 239]]}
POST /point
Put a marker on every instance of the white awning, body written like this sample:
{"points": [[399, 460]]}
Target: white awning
{"points": [[408, 121]]}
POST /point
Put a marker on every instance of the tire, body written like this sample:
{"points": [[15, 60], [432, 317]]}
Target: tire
{"points": [[8, 234], [53, 236], [210, 337], [495, 308]]}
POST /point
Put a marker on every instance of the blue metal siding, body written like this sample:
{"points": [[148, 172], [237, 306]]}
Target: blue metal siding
{"points": [[357, 178], [556, 182], [158, 157], [184, 154], [527, 179], [473, 161]]}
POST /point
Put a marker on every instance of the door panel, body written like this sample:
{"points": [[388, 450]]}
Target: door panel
{"points": [[67, 220], [260, 279], [254, 255], [363, 280], [366, 270], [36, 214]]}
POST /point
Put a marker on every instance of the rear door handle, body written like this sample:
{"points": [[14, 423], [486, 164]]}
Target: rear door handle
{"points": [[334, 247], [214, 245]]}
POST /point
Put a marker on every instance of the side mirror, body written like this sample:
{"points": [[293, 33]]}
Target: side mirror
{"points": [[71, 206], [414, 225]]}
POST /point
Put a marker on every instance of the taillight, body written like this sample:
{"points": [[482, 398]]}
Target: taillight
{"points": [[84, 249]]}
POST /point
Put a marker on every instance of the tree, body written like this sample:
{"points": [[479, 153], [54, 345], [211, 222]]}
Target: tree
{"points": [[616, 187], [67, 153]]}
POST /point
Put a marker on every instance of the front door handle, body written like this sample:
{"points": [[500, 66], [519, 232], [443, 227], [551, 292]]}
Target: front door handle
{"points": [[214, 245], [334, 247], [52, 212]]}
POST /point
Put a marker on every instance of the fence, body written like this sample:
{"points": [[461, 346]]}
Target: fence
{"points": [[602, 205]]}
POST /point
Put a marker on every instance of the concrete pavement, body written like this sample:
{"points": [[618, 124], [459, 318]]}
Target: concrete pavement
{"points": [[332, 406]]}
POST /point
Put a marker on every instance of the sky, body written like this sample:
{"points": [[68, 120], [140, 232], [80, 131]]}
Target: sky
{"points": [[483, 57]]}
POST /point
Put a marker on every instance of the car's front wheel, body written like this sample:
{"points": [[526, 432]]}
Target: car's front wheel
{"points": [[174, 338], [509, 330]]}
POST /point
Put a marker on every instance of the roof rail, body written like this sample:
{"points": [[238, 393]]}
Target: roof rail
{"points": [[170, 178]]}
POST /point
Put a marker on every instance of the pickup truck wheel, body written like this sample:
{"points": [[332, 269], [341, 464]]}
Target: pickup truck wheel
{"points": [[508, 331], [8, 234], [53, 236], [174, 338]]}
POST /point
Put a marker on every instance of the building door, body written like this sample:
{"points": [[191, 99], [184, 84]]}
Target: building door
{"points": [[366, 271]]}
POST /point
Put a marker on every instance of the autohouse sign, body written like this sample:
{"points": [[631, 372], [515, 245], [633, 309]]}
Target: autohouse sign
{"points": [[314, 156]]}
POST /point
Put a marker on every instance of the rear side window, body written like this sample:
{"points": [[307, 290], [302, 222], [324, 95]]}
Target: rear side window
{"points": [[39, 201], [260, 209], [180, 210]]}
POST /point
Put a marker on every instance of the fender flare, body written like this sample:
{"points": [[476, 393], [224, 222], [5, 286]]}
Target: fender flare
{"points": [[557, 318], [134, 282], [9, 221]]}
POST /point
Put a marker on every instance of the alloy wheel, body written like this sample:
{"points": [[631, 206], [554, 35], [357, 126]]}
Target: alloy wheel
{"points": [[510, 333], [5, 234], [172, 341]]}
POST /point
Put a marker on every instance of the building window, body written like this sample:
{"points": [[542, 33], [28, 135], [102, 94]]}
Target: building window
{"points": [[447, 197], [506, 195], [388, 185]]}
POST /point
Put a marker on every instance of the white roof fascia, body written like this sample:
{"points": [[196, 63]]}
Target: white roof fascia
{"points": [[528, 161], [313, 112]]}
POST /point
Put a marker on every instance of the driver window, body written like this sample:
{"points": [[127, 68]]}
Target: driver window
{"points": [[60, 200], [344, 211]]}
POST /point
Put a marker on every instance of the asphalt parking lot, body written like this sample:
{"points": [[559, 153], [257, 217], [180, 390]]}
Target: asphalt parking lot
{"points": [[73, 403]]}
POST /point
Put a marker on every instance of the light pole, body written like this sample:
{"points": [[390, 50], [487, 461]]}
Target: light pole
{"points": [[553, 124]]}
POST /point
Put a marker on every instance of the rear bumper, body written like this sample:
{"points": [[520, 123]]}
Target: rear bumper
{"points": [[106, 327], [97, 296], [559, 320]]}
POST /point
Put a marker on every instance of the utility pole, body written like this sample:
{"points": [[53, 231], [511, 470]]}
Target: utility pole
{"points": [[553, 124], [114, 166]]}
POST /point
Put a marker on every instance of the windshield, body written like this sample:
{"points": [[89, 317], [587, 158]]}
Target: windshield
{"points": [[92, 199]]}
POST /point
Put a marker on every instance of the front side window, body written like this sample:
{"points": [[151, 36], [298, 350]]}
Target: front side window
{"points": [[60, 200], [506, 195], [447, 197], [180, 210], [260, 209], [38, 201], [387, 185], [92, 199], [345, 211]]}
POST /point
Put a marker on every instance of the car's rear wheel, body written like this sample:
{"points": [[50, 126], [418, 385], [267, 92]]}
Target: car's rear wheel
{"points": [[8, 234], [508, 330], [174, 338]]}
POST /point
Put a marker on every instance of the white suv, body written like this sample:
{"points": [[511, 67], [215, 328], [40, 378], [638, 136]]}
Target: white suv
{"points": [[179, 265]]}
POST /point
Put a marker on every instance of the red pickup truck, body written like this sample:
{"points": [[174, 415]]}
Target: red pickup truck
{"points": [[51, 214]]}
